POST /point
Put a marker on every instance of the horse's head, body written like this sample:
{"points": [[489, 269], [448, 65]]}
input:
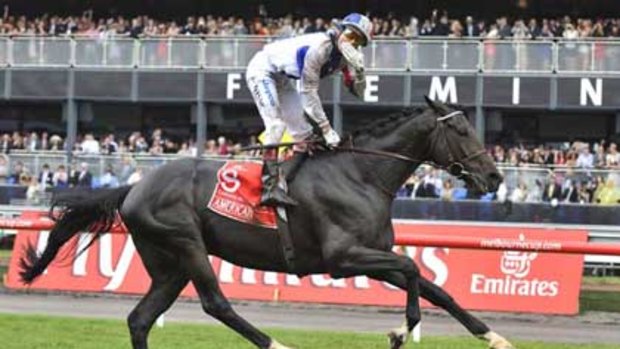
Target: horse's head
{"points": [[454, 146]]}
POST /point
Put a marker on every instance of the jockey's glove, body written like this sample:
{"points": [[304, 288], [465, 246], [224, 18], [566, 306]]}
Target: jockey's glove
{"points": [[330, 136], [359, 85], [354, 57]]}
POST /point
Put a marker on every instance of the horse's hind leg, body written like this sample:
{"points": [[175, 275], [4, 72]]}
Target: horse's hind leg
{"points": [[214, 303], [158, 299], [167, 283]]}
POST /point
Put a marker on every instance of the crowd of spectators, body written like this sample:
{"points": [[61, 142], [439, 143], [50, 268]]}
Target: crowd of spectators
{"points": [[154, 143], [575, 172], [438, 23], [601, 155], [80, 174]]}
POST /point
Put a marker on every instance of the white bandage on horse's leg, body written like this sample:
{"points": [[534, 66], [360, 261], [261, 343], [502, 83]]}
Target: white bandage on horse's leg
{"points": [[276, 345], [496, 341], [401, 334]]}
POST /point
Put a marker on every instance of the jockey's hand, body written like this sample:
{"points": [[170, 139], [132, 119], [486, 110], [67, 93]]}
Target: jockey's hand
{"points": [[354, 57], [359, 86], [331, 137]]}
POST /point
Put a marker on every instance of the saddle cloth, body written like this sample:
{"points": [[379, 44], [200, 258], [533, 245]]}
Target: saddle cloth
{"points": [[237, 194]]}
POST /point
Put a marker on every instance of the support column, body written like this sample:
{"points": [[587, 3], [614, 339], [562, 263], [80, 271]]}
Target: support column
{"points": [[201, 127], [71, 117], [336, 108], [480, 122], [201, 115]]}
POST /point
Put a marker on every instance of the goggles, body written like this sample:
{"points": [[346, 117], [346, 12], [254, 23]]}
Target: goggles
{"points": [[356, 39]]}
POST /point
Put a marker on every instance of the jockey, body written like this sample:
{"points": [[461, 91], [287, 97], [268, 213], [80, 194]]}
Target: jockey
{"points": [[306, 58]]}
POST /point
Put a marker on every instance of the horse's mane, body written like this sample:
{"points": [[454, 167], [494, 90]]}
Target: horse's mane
{"points": [[382, 126]]}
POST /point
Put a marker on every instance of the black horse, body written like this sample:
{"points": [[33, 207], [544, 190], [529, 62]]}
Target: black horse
{"points": [[342, 225]]}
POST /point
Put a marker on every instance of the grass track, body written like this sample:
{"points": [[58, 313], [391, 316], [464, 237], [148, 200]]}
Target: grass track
{"points": [[44, 332]]}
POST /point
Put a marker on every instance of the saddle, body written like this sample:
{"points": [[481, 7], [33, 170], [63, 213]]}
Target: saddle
{"points": [[237, 196]]}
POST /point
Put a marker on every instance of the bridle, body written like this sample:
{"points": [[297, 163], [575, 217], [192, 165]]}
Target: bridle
{"points": [[454, 167]]}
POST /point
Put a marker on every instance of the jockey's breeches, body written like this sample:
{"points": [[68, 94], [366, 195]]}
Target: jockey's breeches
{"points": [[277, 100]]}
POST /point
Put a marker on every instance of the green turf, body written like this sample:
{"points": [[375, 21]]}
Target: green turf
{"points": [[600, 301], [601, 280], [5, 254], [43, 332]]}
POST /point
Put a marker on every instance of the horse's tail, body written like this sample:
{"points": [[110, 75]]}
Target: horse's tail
{"points": [[79, 210]]}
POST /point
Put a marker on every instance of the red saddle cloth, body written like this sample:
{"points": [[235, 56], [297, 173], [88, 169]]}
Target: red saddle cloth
{"points": [[237, 194]]}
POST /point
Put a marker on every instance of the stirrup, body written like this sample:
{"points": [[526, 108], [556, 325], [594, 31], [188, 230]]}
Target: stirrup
{"points": [[277, 197]]}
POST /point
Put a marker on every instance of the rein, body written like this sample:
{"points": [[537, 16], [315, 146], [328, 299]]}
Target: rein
{"points": [[455, 167]]}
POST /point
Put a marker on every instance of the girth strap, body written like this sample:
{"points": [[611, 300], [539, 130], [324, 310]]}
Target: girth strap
{"points": [[286, 241]]}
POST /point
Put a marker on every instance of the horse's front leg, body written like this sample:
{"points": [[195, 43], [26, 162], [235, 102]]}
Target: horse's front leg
{"points": [[441, 298], [359, 260]]}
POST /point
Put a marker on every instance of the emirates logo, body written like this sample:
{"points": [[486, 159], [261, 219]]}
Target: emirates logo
{"points": [[517, 264]]}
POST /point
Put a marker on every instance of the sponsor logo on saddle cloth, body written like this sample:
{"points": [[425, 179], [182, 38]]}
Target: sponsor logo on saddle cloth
{"points": [[515, 267], [237, 194]]}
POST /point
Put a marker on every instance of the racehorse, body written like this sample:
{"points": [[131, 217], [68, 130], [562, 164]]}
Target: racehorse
{"points": [[342, 225]]}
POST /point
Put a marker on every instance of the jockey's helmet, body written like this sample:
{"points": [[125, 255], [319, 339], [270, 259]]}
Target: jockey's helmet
{"points": [[357, 29]]}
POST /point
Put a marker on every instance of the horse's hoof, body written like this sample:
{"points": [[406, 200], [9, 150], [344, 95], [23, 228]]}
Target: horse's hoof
{"points": [[396, 339], [276, 345], [497, 342]]}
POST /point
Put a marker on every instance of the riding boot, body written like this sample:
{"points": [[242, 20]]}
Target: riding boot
{"points": [[273, 194]]}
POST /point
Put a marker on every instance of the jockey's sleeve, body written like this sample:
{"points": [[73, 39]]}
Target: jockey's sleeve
{"points": [[315, 58]]}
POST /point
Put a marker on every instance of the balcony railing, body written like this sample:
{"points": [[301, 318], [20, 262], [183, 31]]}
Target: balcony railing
{"points": [[400, 55]]}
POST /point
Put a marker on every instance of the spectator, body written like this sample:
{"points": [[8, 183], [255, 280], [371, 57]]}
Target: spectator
{"points": [[520, 31], [535, 193], [222, 146], [83, 178], [33, 142], [185, 151], [570, 33], [471, 29], [109, 145], [4, 168], [427, 28], [552, 189], [520, 193], [33, 192], [239, 28], [16, 174], [447, 190], [570, 193], [431, 185], [60, 179], [128, 166], [612, 159], [44, 143], [55, 143], [135, 177], [5, 144], [211, 148], [533, 29], [503, 29], [109, 179], [442, 28], [584, 196], [45, 178], [90, 145], [585, 158], [456, 29], [545, 31]]}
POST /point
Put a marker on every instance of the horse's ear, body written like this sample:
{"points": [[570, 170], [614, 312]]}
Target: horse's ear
{"points": [[432, 104]]}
